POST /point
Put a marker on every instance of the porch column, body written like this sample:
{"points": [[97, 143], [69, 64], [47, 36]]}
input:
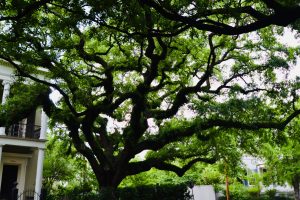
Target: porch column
{"points": [[1, 146], [39, 174], [6, 88], [44, 125]]}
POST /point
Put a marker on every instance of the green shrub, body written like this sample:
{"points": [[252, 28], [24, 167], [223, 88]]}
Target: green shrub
{"points": [[148, 192], [254, 192], [162, 192], [237, 191], [271, 193], [241, 192]]}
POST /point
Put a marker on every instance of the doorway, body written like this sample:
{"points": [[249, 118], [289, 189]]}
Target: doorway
{"points": [[9, 179]]}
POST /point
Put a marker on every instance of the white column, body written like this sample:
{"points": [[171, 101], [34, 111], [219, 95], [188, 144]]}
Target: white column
{"points": [[6, 89], [39, 174], [1, 146], [44, 125]]}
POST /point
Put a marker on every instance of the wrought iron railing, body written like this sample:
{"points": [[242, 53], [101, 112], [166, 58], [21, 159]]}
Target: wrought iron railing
{"points": [[29, 195], [24, 131]]}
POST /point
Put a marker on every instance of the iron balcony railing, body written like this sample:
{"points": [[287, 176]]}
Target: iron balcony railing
{"points": [[29, 195], [24, 131]]}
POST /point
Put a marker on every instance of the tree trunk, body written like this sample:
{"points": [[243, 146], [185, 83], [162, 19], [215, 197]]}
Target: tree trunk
{"points": [[108, 185], [108, 193], [296, 184], [227, 188]]}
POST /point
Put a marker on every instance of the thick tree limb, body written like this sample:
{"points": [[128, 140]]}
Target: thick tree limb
{"points": [[281, 17], [273, 4], [26, 11], [142, 166], [169, 136]]}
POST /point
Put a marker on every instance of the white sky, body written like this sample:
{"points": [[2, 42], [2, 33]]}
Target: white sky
{"points": [[290, 40]]}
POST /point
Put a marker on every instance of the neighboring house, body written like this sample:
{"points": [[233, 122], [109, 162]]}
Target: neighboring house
{"points": [[21, 149], [256, 165], [253, 165]]}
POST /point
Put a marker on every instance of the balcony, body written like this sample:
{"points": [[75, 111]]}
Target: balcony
{"points": [[20, 130]]}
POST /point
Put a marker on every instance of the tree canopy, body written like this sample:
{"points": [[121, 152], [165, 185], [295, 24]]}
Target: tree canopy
{"points": [[161, 76], [283, 162]]}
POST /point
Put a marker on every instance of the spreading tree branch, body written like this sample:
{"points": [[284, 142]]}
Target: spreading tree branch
{"points": [[26, 11], [172, 135], [281, 17], [142, 166]]}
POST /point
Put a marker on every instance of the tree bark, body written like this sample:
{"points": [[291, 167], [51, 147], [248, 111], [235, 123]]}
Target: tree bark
{"points": [[296, 186], [107, 192], [108, 184]]}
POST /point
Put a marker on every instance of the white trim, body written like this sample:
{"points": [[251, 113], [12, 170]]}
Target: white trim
{"points": [[44, 125], [6, 73], [17, 155], [16, 141], [5, 94], [1, 148], [21, 162]]}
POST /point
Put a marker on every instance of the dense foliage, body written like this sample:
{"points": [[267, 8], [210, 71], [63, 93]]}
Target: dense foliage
{"points": [[283, 161], [240, 192], [164, 192], [65, 170], [166, 77]]}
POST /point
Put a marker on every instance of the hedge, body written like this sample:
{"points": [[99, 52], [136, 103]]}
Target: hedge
{"points": [[147, 192]]}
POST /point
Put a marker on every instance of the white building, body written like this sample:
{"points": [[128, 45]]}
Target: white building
{"points": [[256, 165], [21, 149]]}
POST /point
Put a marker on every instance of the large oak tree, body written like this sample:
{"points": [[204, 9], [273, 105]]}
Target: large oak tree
{"points": [[150, 74]]}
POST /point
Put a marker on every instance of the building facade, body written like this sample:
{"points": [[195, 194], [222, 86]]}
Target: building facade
{"points": [[256, 165], [21, 149]]}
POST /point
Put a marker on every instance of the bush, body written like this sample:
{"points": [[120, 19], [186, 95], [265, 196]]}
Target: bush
{"points": [[162, 192], [237, 192], [151, 192], [254, 192], [271, 193], [240, 192]]}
